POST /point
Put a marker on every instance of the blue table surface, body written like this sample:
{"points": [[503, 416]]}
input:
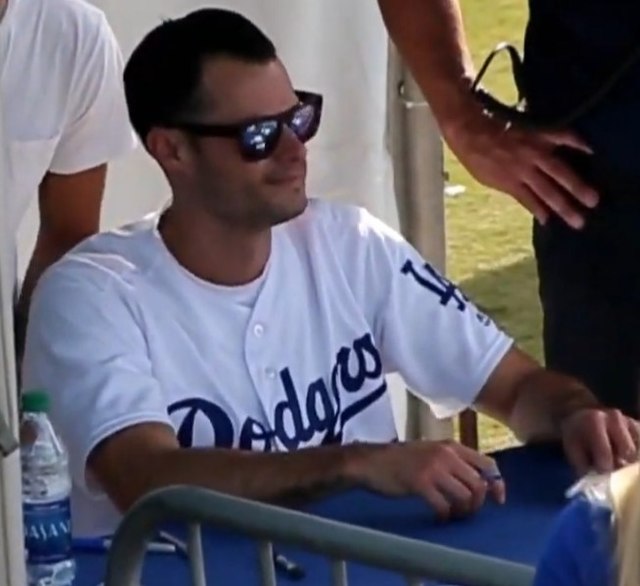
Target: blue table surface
{"points": [[536, 480]]}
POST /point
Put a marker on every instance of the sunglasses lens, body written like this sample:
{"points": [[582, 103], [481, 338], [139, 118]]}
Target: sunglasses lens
{"points": [[258, 140], [303, 122]]}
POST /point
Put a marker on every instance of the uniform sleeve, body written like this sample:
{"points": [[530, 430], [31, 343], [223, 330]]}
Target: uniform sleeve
{"points": [[85, 347], [579, 549], [97, 125], [426, 329]]}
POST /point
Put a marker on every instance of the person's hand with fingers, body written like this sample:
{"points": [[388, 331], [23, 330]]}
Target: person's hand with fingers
{"points": [[600, 440], [454, 479], [523, 163]]}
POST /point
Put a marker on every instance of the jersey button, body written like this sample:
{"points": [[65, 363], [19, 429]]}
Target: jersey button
{"points": [[271, 373], [258, 330]]}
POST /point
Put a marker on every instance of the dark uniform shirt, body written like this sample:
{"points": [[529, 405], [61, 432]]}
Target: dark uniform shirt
{"points": [[571, 47]]}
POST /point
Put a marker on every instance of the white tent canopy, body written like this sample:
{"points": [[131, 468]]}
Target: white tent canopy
{"points": [[339, 49]]}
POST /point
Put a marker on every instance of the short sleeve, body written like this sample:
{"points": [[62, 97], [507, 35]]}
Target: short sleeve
{"points": [[97, 126], [85, 347], [427, 330], [579, 551]]}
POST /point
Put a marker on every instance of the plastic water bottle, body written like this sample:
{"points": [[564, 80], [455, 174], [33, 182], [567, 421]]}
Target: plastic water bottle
{"points": [[46, 487]]}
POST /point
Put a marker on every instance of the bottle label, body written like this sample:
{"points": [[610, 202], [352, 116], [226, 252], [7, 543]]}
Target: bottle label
{"points": [[47, 530]]}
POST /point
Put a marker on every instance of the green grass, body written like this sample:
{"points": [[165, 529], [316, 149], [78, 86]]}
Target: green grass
{"points": [[489, 235]]}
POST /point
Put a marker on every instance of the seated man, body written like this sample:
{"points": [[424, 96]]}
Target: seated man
{"points": [[238, 340]]}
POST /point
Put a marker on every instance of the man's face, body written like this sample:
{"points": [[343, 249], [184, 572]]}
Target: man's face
{"points": [[249, 194]]}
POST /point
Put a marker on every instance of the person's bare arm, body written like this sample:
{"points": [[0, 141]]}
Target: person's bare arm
{"points": [[532, 401], [147, 456], [430, 36], [540, 405], [69, 212]]}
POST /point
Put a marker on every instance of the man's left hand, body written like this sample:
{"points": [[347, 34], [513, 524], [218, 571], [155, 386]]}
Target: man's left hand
{"points": [[600, 440]]}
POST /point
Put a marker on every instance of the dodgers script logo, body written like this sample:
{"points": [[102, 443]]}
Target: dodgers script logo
{"points": [[317, 410]]}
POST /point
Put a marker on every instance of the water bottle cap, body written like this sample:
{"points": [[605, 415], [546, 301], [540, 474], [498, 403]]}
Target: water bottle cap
{"points": [[36, 401]]}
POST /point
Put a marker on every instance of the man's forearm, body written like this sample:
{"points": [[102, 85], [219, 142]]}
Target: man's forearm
{"points": [[429, 34], [270, 477], [544, 400]]}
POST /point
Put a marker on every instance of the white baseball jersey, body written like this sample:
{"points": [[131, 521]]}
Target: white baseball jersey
{"points": [[63, 102], [121, 334]]}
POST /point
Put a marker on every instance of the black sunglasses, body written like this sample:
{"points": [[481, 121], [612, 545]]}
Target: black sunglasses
{"points": [[258, 138]]}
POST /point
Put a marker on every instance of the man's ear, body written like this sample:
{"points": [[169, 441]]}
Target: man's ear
{"points": [[169, 147]]}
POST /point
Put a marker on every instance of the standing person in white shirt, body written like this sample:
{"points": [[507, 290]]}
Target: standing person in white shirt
{"points": [[239, 339], [64, 118]]}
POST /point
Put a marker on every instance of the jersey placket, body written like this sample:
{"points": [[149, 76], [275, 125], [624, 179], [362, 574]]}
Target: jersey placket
{"points": [[259, 350]]}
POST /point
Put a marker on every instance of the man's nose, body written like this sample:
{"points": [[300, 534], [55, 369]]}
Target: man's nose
{"points": [[290, 146]]}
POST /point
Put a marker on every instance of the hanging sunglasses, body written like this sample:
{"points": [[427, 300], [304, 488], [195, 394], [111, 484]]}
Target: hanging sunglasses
{"points": [[259, 137]]}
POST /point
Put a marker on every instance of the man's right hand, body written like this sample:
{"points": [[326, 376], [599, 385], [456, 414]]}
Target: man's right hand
{"points": [[446, 474], [521, 162]]}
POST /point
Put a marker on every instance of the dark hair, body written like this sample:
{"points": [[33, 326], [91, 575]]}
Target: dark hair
{"points": [[162, 76]]}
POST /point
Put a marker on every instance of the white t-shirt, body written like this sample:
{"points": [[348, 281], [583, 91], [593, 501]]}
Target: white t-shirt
{"points": [[121, 334], [63, 102]]}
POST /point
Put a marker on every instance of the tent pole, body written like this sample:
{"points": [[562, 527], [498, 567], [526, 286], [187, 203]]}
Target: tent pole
{"points": [[12, 566], [417, 153]]}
